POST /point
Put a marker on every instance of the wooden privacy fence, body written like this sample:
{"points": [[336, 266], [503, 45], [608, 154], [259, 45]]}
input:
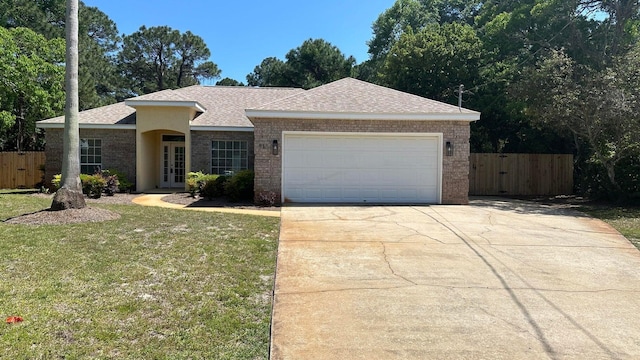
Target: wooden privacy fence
{"points": [[520, 174], [20, 169]]}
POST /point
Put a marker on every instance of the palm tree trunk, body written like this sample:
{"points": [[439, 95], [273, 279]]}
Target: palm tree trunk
{"points": [[70, 196]]}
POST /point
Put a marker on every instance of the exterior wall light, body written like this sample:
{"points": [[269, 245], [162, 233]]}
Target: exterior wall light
{"points": [[274, 147], [449, 148]]}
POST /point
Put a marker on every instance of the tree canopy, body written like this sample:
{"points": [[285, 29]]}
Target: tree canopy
{"points": [[108, 72], [98, 38], [313, 63], [158, 58], [229, 82], [31, 77]]}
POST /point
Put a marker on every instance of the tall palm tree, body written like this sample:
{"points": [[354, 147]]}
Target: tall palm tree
{"points": [[70, 196]]}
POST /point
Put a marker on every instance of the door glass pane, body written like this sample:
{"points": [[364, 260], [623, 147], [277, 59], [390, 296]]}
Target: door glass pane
{"points": [[165, 164], [179, 166]]}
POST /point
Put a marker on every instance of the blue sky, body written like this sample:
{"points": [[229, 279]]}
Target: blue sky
{"points": [[241, 33]]}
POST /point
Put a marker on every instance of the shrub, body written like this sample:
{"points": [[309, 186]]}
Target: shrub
{"points": [[124, 185], [240, 186], [111, 182], [197, 181], [213, 186], [193, 182], [55, 182], [93, 185]]}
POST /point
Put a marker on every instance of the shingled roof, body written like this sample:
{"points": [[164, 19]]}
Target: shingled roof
{"points": [[224, 106], [232, 106], [114, 115], [351, 98]]}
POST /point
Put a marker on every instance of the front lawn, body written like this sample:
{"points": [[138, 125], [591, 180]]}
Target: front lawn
{"points": [[154, 284], [624, 219]]}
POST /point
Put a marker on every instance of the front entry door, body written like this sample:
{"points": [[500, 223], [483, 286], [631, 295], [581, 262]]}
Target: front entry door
{"points": [[173, 164]]}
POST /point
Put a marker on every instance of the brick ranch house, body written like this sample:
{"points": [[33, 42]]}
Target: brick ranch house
{"points": [[344, 142]]}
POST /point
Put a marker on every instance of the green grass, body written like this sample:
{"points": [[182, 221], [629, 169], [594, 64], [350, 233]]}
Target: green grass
{"points": [[624, 219], [155, 284]]}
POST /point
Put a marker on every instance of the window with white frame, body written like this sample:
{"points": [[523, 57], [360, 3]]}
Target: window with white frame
{"points": [[228, 156], [90, 155]]}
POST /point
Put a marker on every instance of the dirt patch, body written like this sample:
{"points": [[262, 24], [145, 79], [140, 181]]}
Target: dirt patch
{"points": [[187, 200]]}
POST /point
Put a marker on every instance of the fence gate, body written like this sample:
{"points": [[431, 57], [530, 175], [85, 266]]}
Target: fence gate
{"points": [[21, 169], [521, 174]]}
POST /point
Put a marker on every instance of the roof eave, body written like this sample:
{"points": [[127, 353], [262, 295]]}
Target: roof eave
{"points": [[88, 126], [221, 128], [313, 115], [193, 105]]}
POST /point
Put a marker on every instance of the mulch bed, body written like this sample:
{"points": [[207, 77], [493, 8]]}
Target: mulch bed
{"points": [[74, 216], [96, 214], [186, 199]]}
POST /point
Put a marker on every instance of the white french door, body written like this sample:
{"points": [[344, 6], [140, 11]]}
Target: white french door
{"points": [[173, 165]]}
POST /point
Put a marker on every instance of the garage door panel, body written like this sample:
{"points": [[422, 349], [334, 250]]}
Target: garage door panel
{"points": [[361, 168]]}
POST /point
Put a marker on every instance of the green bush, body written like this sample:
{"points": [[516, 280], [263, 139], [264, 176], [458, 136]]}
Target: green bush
{"points": [[197, 181], [240, 186], [237, 187], [93, 185], [124, 185], [193, 184], [55, 182], [213, 186], [111, 182]]}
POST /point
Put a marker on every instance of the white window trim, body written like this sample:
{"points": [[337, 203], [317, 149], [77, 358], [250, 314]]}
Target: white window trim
{"points": [[92, 164], [246, 155]]}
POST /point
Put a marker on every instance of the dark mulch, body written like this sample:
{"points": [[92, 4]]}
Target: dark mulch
{"points": [[186, 199]]}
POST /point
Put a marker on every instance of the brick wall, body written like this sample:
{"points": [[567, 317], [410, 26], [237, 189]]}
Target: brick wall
{"points": [[455, 169], [201, 147], [118, 150]]}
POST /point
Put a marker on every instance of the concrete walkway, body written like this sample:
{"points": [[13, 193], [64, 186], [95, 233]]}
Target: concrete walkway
{"points": [[493, 280], [156, 200]]}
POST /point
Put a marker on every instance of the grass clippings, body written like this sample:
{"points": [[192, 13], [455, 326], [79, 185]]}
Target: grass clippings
{"points": [[153, 284]]}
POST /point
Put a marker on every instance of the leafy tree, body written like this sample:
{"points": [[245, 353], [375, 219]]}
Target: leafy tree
{"points": [[313, 63], [599, 108], [70, 196], [270, 72], [43, 17], [317, 62], [159, 58], [98, 42], [31, 75], [416, 15], [434, 61], [98, 39], [229, 82], [192, 53], [619, 31]]}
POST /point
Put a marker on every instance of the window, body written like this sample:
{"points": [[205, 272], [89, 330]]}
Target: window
{"points": [[228, 157], [90, 155]]}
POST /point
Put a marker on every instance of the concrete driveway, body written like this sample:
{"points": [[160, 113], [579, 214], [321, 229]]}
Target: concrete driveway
{"points": [[492, 280]]}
